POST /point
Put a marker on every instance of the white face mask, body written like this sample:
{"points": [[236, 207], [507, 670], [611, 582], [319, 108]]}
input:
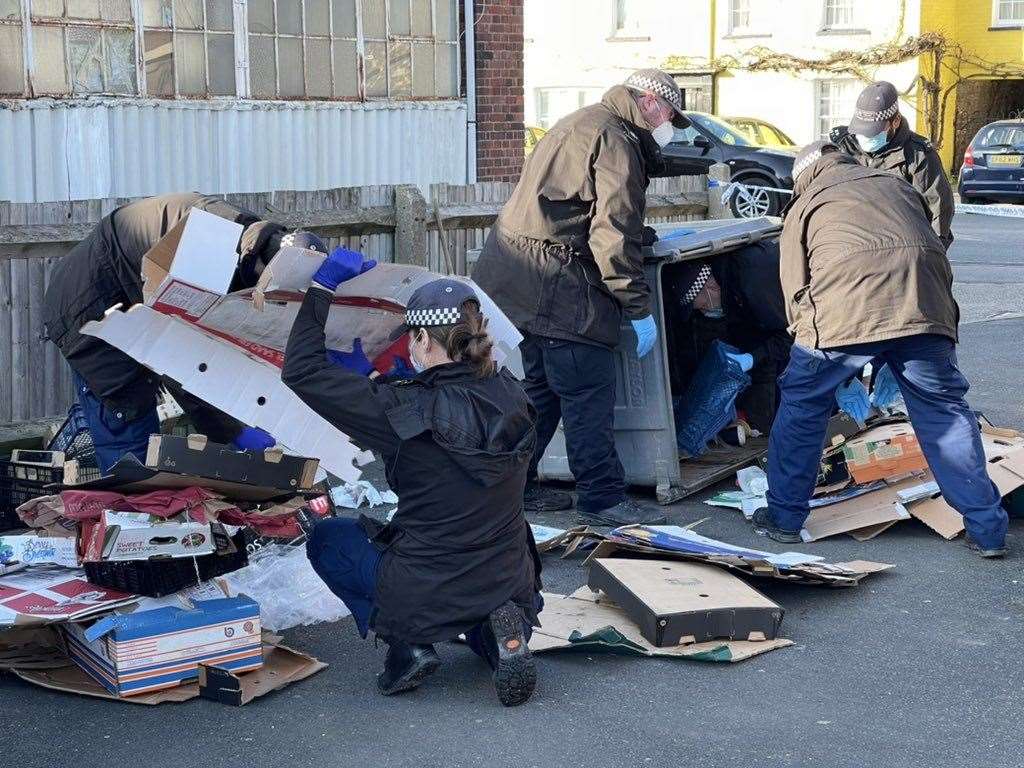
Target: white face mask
{"points": [[664, 133], [416, 364]]}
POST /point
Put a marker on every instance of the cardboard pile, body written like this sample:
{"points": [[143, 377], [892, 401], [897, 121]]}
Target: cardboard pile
{"points": [[875, 477]]}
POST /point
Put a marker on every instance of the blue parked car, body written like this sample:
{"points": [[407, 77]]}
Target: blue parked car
{"points": [[993, 166]]}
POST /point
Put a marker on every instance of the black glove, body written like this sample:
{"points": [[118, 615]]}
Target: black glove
{"points": [[837, 134], [648, 236]]}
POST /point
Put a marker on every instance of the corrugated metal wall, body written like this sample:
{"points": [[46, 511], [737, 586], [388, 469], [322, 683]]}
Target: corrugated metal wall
{"points": [[77, 149]]}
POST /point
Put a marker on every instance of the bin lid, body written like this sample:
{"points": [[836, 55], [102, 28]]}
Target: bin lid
{"points": [[708, 238]]}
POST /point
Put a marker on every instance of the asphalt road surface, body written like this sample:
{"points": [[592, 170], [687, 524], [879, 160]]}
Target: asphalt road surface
{"points": [[918, 667]]}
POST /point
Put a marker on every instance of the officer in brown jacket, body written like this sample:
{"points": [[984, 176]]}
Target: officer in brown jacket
{"points": [[880, 137], [866, 280], [563, 262]]}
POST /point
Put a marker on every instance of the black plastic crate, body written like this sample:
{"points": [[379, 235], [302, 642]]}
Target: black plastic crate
{"points": [[74, 440], [165, 576], [21, 482]]}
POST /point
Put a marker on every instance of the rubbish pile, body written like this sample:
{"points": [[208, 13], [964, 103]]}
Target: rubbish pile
{"points": [[874, 475], [162, 580]]}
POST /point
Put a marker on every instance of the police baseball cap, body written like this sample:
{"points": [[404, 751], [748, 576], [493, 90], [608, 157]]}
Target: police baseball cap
{"points": [[660, 84], [876, 106], [811, 154], [439, 302]]}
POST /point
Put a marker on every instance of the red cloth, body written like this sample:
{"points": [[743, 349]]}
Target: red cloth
{"points": [[87, 505]]}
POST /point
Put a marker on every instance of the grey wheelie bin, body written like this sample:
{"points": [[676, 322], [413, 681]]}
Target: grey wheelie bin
{"points": [[644, 419]]}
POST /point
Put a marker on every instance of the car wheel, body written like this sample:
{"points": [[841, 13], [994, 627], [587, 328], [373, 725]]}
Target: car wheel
{"points": [[968, 200], [753, 202]]}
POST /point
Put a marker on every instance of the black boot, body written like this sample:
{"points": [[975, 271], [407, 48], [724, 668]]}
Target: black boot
{"points": [[407, 665], [515, 673], [628, 512], [538, 498]]}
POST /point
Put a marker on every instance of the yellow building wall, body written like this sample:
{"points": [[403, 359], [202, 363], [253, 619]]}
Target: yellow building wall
{"points": [[968, 24]]}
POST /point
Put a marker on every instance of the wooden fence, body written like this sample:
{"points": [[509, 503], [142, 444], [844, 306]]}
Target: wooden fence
{"points": [[387, 223]]}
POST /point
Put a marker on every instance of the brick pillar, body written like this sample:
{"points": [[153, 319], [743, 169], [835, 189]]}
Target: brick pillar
{"points": [[499, 89]]}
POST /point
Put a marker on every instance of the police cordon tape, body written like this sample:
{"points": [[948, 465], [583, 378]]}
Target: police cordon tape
{"points": [[743, 190]]}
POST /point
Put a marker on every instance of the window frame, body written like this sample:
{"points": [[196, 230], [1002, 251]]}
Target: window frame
{"points": [[628, 26], [819, 116], [827, 5], [731, 10], [1000, 23], [240, 33]]}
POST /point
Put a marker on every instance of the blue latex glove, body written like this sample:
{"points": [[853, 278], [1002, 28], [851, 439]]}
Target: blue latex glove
{"points": [[886, 391], [401, 370], [254, 439], [646, 335], [355, 361], [853, 398], [340, 266], [744, 359]]}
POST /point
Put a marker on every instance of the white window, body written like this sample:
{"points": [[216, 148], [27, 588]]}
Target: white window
{"points": [[739, 17], [629, 17], [839, 14], [836, 100], [552, 104], [265, 49], [1007, 13]]}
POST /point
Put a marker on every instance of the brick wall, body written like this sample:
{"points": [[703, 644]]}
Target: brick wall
{"points": [[499, 94]]}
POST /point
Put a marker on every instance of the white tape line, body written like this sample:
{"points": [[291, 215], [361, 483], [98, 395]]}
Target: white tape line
{"points": [[743, 190], [1011, 211]]}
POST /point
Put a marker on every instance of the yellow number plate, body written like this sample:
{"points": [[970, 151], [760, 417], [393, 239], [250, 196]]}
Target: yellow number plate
{"points": [[1004, 160]]}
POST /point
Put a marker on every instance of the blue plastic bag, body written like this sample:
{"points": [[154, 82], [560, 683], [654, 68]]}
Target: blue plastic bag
{"points": [[709, 404]]}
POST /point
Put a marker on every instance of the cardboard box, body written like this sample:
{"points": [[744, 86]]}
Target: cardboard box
{"points": [[49, 593], [17, 552], [120, 536], [146, 651], [676, 603], [229, 350], [585, 621], [884, 452]]}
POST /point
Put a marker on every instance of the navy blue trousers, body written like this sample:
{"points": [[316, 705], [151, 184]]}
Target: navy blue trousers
{"points": [[112, 434], [933, 388], [575, 383], [348, 562]]}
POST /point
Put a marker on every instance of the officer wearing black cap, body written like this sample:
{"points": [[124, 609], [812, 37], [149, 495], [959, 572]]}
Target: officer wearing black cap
{"points": [[458, 558], [880, 137], [118, 396]]}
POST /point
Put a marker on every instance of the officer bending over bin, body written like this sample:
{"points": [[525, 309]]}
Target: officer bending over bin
{"points": [[866, 280], [563, 261], [738, 299], [118, 396], [456, 440]]}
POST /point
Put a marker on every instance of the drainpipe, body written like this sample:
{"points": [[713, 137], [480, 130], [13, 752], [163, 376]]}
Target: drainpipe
{"points": [[470, 17]]}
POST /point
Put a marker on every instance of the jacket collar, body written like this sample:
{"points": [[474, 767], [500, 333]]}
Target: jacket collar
{"points": [[620, 102], [445, 374]]}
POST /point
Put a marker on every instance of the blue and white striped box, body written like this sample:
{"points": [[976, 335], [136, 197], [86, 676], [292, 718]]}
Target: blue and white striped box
{"points": [[149, 650]]}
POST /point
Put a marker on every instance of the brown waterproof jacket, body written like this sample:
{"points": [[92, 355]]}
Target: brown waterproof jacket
{"points": [[860, 261], [912, 157], [563, 259]]}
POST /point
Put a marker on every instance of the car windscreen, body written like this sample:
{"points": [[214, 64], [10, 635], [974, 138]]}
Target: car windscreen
{"points": [[722, 131], [1000, 137]]}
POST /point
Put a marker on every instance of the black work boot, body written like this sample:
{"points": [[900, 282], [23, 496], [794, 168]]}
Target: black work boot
{"points": [[765, 526], [628, 512], [515, 672], [986, 552], [537, 498], [407, 665]]}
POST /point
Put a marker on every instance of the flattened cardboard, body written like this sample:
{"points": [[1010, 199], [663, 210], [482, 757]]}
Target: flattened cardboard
{"points": [[31, 648], [884, 452], [282, 666], [198, 456], [589, 622], [870, 511], [677, 603]]}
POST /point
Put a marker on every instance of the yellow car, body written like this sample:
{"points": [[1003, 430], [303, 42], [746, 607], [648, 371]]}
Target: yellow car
{"points": [[759, 132], [533, 135]]}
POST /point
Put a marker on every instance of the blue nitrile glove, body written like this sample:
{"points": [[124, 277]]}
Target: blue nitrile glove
{"points": [[254, 439], [886, 391], [646, 335], [340, 266], [853, 398], [401, 370], [744, 359], [355, 361]]}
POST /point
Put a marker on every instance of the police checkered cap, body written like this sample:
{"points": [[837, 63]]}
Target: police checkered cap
{"points": [[661, 84], [307, 240], [438, 302], [809, 155], [877, 105], [698, 284]]}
